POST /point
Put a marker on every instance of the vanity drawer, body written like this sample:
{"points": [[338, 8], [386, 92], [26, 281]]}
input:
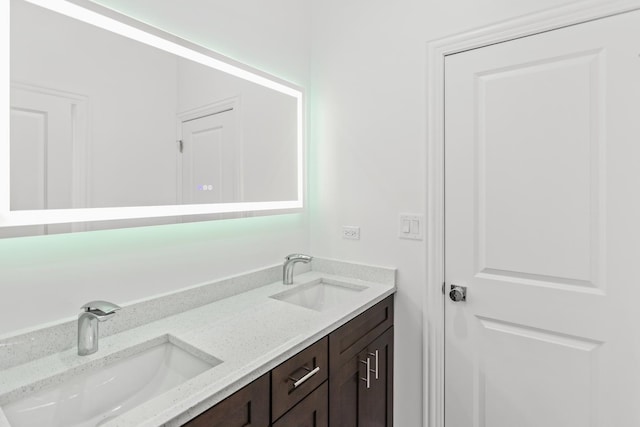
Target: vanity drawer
{"points": [[351, 338], [294, 379]]}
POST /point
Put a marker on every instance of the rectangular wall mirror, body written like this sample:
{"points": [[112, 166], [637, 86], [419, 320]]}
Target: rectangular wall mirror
{"points": [[111, 119]]}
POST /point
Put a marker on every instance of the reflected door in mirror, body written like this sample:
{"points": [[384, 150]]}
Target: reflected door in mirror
{"points": [[210, 156]]}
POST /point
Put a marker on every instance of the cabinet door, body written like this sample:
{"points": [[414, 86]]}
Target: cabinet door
{"points": [[354, 404], [248, 407], [375, 407], [344, 393], [313, 411]]}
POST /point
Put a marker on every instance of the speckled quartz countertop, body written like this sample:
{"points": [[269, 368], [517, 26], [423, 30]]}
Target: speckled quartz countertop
{"points": [[249, 332]]}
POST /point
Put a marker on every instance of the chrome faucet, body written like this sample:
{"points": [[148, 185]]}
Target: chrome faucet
{"points": [[289, 262], [93, 313]]}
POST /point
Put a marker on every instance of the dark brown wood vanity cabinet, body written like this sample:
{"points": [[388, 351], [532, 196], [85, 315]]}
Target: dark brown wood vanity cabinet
{"points": [[248, 407], [343, 380], [361, 370]]}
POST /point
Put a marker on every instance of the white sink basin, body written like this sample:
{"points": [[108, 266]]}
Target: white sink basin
{"points": [[101, 394], [320, 294]]}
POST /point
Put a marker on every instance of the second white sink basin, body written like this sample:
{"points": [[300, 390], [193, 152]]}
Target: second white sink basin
{"points": [[99, 395], [320, 294]]}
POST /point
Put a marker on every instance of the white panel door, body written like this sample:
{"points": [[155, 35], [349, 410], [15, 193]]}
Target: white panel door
{"points": [[542, 225], [210, 164], [44, 155]]}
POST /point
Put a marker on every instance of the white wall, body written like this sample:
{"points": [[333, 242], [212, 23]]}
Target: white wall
{"points": [[47, 278], [369, 143]]}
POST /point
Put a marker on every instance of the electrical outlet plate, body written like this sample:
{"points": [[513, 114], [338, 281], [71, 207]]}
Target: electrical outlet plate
{"points": [[411, 226], [350, 232]]}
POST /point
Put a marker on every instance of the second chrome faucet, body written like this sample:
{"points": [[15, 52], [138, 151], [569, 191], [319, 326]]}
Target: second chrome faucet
{"points": [[289, 262]]}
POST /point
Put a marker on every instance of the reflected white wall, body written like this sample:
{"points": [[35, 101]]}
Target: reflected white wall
{"points": [[132, 96], [135, 93], [267, 127]]}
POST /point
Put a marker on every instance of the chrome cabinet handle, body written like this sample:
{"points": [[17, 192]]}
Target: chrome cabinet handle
{"points": [[375, 371], [367, 378], [458, 293], [298, 381]]}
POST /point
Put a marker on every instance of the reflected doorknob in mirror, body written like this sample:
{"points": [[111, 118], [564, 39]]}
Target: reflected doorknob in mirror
{"points": [[458, 293]]}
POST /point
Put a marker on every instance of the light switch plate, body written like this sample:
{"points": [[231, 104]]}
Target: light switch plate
{"points": [[411, 226]]}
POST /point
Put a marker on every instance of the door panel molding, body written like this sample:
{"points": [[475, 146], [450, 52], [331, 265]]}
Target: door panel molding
{"points": [[494, 162], [433, 300], [574, 359], [559, 283], [552, 337]]}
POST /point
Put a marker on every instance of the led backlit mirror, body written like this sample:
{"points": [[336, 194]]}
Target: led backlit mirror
{"points": [[111, 119]]}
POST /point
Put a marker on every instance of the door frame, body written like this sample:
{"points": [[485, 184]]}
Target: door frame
{"points": [[81, 172], [438, 50]]}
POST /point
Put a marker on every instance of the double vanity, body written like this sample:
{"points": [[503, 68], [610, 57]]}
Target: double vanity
{"points": [[248, 350]]}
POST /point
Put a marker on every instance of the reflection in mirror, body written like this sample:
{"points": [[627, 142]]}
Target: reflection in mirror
{"points": [[99, 120]]}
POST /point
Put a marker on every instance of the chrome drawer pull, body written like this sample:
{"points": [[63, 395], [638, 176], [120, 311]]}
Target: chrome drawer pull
{"points": [[367, 379], [311, 373]]}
